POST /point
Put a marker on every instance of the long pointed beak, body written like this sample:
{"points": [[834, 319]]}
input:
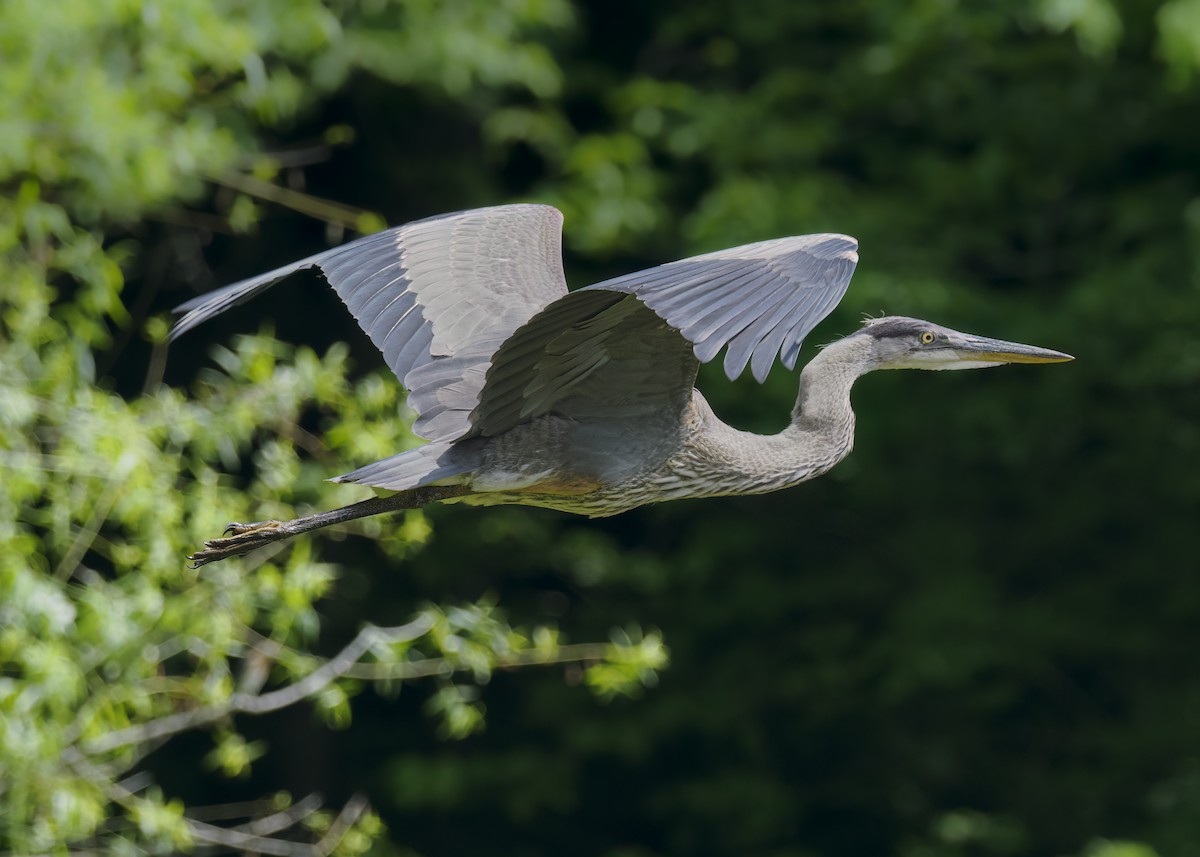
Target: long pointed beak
{"points": [[988, 350]]}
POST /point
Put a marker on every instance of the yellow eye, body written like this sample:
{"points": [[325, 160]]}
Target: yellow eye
{"points": [[927, 337]]}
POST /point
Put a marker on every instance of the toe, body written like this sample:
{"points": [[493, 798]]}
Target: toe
{"points": [[235, 529]]}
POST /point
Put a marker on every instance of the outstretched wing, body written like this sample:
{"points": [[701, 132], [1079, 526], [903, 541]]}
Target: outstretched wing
{"points": [[590, 356], [436, 296], [757, 300], [629, 347]]}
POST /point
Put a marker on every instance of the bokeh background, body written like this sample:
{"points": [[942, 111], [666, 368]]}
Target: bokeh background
{"points": [[977, 636]]}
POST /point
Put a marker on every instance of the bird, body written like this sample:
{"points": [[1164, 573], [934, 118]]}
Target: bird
{"points": [[584, 401]]}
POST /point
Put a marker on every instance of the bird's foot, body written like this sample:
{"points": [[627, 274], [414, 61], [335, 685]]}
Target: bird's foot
{"points": [[239, 539]]}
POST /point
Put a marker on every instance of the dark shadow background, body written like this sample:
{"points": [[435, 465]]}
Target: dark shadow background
{"points": [[978, 635]]}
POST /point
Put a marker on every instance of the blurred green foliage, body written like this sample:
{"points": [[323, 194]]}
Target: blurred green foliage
{"points": [[973, 638], [109, 644]]}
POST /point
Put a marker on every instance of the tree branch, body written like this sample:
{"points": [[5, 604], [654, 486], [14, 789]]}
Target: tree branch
{"points": [[238, 839], [425, 667], [249, 703], [335, 667], [283, 819], [210, 834]]}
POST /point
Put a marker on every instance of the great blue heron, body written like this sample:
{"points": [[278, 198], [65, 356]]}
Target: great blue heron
{"points": [[584, 401]]}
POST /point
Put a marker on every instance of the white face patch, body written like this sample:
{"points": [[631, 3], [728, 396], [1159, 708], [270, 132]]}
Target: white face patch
{"points": [[963, 364], [939, 360]]}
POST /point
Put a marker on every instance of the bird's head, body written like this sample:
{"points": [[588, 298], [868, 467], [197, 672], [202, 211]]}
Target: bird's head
{"points": [[909, 343]]}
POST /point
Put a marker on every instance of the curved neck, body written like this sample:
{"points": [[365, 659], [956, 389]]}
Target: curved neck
{"points": [[820, 435], [823, 401]]}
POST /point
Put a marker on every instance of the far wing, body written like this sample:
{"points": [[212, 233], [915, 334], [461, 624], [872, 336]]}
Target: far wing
{"points": [[628, 348], [436, 296], [759, 299]]}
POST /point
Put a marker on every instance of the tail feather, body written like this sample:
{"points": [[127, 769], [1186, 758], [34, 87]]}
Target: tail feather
{"points": [[415, 468]]}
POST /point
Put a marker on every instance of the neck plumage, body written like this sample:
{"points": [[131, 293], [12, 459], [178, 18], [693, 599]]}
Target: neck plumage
{"points": [[823, 402], [820, 435]]}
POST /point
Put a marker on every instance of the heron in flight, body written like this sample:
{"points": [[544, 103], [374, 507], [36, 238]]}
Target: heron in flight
{"points": [[584, 401]]}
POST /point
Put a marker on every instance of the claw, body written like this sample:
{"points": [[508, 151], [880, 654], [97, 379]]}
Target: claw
{"points": [[239, 539], [234, 528]]}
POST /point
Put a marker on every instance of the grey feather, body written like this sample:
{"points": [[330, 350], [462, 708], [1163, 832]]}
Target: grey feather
{"points": [[427, 290], [471, 313], [433, 462], [615, 357], [770, 294], [744, 279]]}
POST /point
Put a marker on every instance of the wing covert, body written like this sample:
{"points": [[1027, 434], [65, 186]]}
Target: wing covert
{"points": [[593, 356]]}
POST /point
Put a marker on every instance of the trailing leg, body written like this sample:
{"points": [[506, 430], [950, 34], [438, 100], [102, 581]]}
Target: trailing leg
{"points": [[243, 538]]}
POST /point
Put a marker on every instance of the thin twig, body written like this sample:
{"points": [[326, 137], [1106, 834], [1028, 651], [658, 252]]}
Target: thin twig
{"points": [[178, 216], [335, 667], [87, 534], [200, 831], [210, 834], [300, 157], [323, 209], [155, 369], [346, 819], [134, 783], [283, 819], [425, 667], [306, 440]]}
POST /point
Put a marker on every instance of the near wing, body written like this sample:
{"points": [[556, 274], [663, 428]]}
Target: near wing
{"points": [[629, 346], [437, 297]]}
